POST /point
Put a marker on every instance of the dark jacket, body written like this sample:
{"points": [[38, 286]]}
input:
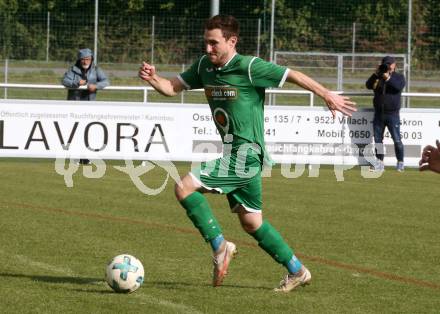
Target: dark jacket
{"points": [[387, 94], [93, 75]]}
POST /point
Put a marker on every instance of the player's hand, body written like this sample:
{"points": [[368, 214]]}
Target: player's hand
{"points": [[430, 158], [82, 82], [339, 103], [147, 72], [91, 87]]}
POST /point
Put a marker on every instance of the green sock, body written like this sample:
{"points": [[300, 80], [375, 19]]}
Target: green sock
{"points": [[198, 210], [273, 243]]}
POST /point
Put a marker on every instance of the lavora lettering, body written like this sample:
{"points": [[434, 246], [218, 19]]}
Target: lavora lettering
{"points": [[124, 132]]}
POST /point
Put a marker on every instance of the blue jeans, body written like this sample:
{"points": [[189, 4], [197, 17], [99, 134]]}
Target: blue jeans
{"points": [[392, 122]]}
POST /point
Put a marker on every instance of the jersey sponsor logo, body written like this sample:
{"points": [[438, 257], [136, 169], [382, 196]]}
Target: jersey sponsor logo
{"points": [[209, 69], [221, 93], [222, 119]]}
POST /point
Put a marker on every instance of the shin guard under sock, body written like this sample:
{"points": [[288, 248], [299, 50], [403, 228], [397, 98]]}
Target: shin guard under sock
{"points": [[273, 243], [200, 213]]}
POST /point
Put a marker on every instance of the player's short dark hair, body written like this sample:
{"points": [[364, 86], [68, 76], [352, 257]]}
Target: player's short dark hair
{"points": [[226, 23]]}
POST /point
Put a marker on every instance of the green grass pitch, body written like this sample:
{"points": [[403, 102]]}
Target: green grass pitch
{"points": [[372, 245]]}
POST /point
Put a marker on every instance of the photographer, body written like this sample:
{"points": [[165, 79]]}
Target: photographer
{"points": [[387, 85]]}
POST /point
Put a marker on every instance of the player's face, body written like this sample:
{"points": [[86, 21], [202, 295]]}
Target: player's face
{"points": [[218, 49]]}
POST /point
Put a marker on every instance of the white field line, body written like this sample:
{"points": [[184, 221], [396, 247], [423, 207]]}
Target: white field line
{"points": [[68, 272], [41, 265], [181, 308]]}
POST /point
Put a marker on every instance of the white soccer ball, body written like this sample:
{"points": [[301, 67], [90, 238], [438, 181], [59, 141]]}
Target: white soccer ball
{"points": [[125, 273]]}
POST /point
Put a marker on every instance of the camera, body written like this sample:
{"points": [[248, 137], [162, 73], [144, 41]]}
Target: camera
{"points": [[383, 68]]}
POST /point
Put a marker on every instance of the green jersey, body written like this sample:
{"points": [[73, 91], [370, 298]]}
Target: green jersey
{"points": [[236, 94]]}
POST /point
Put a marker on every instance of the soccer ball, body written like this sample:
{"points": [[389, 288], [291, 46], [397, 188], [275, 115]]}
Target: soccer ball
{"points": [[125, 273]]}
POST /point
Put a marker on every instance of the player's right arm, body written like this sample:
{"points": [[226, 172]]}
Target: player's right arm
{"points": [[147, 73]]}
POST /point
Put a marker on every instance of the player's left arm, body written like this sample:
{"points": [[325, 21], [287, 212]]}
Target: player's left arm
{"points": [[167, 87], [334, 101]]}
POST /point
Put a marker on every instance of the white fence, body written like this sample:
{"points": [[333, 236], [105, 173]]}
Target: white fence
{"points": [[146, 89]]}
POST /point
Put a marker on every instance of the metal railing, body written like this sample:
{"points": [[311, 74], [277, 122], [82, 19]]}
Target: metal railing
{"points": [[146, 89]]}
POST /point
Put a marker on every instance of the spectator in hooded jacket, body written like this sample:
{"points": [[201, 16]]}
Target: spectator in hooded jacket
{"points": [[84, 73], [387, 85]]}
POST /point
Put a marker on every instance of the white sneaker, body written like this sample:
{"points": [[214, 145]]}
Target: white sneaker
{"points": [[221, 263], [378, 166], [292, 281], [400, 166]]}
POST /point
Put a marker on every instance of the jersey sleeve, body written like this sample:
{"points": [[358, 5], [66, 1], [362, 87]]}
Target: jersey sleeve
{"points": [[266, 74], [191, 78]]}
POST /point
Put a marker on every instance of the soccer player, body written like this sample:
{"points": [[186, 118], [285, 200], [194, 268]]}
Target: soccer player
{"points": [[235, 89]]}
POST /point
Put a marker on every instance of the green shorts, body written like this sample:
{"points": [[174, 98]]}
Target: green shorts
{"points": [[236, 175]]}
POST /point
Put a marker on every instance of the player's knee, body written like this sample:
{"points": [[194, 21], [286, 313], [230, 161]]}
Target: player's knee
{"points": [[183, 188], [250, 221], [179, 191], [249, 227]]}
